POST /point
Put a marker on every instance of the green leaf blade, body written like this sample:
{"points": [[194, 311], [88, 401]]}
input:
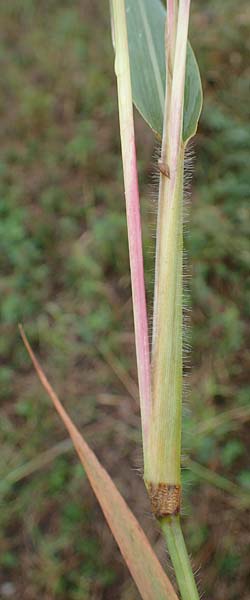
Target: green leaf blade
{"points": [[193, 96], [146, 29], [147, 61]]}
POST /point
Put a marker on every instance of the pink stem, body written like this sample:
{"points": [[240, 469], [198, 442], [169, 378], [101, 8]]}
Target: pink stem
{"points": [[171, 32], [178, 84], [127, 134], [137, 281]]}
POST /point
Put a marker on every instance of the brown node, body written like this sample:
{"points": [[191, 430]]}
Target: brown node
{"points": [[165, 499], [164, 168]]}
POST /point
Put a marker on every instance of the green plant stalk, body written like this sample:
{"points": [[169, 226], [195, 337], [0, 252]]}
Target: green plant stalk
{"points": [[163, 473], [165, 432], [172, 532]]}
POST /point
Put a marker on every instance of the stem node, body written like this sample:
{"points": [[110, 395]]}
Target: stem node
{"points": [[165, 499]]}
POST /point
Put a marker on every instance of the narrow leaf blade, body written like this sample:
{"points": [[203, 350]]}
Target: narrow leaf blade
{"points": [[146, 30], [143, 564]]}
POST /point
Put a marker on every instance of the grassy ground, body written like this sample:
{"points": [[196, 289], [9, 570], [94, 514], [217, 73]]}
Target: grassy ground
{"points": [[64, 274]]}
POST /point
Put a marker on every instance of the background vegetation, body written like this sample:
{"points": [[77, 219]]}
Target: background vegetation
{"points": [[64, 274]]}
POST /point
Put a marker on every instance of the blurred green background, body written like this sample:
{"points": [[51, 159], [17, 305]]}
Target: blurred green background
{"points": [[64, 275]]}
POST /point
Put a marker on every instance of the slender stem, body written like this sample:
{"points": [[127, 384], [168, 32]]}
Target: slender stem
{"points": [[167, 348], [167, 319], [170, 39], [122, 69], [172, 531], [171, 26], [163, 475]]}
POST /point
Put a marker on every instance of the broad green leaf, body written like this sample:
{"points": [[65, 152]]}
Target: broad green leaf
{"points": [[146, 26], [143, 564]]}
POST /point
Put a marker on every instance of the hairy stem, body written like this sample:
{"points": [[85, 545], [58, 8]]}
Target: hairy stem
{"points": [[165, 433], [163, 475], [167, 347], [172, 532]]}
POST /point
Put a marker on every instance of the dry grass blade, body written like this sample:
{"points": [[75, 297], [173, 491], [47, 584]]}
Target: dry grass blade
{"points": [[143, 564]]}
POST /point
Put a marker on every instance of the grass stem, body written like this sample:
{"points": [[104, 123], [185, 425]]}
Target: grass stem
{"points": [[172, 532], [163, 475], [122, 69]]}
